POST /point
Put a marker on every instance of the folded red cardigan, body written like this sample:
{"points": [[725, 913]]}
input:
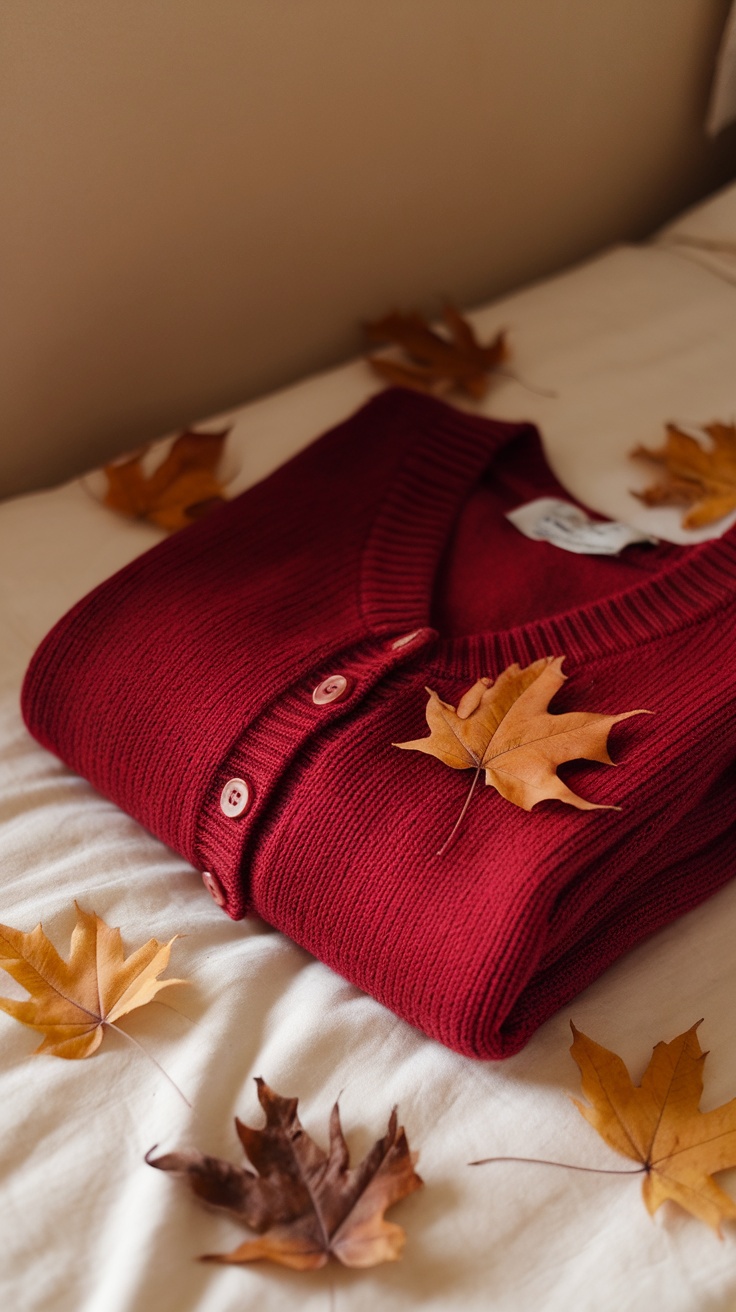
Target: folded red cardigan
{"points": [[239, 688]]}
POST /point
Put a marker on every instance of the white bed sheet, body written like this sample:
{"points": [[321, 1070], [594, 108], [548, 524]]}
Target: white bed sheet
{"points": [[707, 232], [635, 337]]}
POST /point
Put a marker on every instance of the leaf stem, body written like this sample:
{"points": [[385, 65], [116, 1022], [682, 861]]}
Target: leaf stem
{"points": [[568, 1166], [150, 1057], [459, 820]]}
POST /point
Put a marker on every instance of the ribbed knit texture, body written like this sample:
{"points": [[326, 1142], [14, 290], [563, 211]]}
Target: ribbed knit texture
{"points": [[196, 664]]}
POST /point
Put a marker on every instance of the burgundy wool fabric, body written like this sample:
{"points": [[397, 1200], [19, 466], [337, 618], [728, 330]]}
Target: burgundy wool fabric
{"points": [[381, 554]]}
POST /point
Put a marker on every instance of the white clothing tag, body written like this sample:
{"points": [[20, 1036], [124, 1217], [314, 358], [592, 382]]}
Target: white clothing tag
{"points": [[563, 525]]}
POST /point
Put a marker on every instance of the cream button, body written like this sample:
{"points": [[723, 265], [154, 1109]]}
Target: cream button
{"points": [[330, 690], [407, 638], [212, 886], [235, 797]]}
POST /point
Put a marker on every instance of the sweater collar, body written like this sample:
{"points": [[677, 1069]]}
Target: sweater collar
{"points": [[414, 523]]}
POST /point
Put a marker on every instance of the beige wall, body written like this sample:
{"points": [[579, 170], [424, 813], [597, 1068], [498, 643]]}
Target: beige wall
{"points": [[201, 199]]}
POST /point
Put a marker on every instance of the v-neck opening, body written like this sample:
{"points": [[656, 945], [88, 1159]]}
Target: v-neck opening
{"points": [[414, 524]]}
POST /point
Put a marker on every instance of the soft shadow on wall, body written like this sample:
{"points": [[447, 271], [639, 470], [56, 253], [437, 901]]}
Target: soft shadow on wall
{"points": [[204, 203]]}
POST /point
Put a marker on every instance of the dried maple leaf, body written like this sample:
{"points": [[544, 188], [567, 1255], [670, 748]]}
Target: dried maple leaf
{"points": [[307, 1205], [659, 1124], [182, 489], [505, 729], [436, 362], [700, 474], [72, 1001]]}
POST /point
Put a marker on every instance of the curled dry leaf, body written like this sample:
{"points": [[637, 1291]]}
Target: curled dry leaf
{"points": [[181, 490], [72, 1001], [700, 474], [659, 1124], [435, 361], [306, 1205], [505, 729]]}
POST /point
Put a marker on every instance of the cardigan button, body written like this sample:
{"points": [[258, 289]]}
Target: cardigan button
{"points": [[330, 690], [235, 798], [407, 638], [212, 886]]}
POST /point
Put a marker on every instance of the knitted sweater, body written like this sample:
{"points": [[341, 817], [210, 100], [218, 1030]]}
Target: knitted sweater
{"points": [[239, 687]]}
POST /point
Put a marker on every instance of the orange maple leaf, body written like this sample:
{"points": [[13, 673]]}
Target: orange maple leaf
{"points": [[505, 729], [181, 490], [698, 473], [659, 1124], [436, 362], [72, 1001], [306, 1205]]}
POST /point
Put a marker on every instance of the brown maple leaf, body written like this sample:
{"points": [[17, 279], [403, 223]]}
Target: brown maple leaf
{"points": [[306, 1205], [505, 729], [701, 475], [659, 1124], [181, 490], [436, 362], [72, 1001]]}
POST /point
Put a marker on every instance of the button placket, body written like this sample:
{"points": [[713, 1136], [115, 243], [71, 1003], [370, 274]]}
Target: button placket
{"points": [[235, 799], [224, 832]]}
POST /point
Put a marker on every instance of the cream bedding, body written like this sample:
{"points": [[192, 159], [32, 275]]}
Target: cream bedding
{"points": [[636, 337], [707, 233]]}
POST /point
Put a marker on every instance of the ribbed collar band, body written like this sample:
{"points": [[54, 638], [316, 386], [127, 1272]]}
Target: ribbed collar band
{"points": [[412, 527]]}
